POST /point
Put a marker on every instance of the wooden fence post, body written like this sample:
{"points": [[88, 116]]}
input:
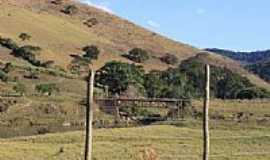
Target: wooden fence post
{"points": [[206, 140], [89, 116]]}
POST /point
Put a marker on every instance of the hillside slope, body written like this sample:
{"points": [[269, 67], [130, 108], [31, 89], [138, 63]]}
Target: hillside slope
{"points": [[243, 57], [60, 34]]}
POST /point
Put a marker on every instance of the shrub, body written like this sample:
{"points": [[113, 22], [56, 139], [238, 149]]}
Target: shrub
{"points": [[28, 53], [57, 2], [24, 36], [8, 67], [138, 55], [91, 22], [3, 76], [8, 43], [91, 53], [70, 9], [169, 59], [47, 88], [20, 88]]}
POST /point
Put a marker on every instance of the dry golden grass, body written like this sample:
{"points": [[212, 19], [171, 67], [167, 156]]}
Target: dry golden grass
{"points": [[60, 35]]}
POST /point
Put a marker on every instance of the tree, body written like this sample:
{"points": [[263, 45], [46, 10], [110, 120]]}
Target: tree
{"points": [[24, 36], [118, 76], [169, 59], [70, 9], [138, 55], [91, 52]]}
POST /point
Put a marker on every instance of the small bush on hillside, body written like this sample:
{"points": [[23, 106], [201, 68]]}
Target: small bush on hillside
{"points": [[24, 36], [70, 9], [47, 89], [138, 55], [8, 67], [28, 53], [8, 43], [57, 2], [20, 88], [3, 76], [91, 22], [91, 53], [169, 59]]}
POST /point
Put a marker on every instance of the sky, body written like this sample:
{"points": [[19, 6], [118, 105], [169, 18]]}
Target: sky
{"points": [[241, 25]]}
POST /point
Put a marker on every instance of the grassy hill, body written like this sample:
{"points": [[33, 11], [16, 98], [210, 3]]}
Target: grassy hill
{"points": [[61, 35]]}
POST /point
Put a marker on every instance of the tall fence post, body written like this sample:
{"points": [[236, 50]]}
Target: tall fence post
{"points": [[206, 140], [89, 116]]}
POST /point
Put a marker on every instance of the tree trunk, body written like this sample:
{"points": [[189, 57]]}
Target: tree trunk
{"points": [[89, 116], [206, 139]]}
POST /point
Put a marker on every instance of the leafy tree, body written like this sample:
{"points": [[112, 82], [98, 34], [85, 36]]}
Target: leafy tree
{"points": [[138, 55], [118, 76], [24, 36], [91, 52]]}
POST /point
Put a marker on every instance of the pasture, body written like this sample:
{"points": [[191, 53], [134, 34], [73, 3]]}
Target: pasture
{"points": [[231, 138]]}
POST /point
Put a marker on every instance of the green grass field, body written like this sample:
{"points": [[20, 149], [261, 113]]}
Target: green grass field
{"points": [[167, 142], [242, 139]]}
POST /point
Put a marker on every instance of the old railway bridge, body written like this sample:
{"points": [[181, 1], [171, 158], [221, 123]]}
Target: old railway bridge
{"points": [[177, 107]]}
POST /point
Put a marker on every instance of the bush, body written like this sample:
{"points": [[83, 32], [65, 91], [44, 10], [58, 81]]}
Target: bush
{"points": [[91, 53], [47, 88], [169, 59], [138, 55], [28, 53], [3, 76], [24, 36], [8, 67], [57, 2], [20, 88], [70, 9], [91, 22], [8, 43]]}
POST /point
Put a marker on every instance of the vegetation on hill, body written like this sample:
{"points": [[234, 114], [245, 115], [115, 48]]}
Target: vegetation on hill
{"points": [[138, 55], [262, 69], [117, 76], [184, 81], [244, 57]]}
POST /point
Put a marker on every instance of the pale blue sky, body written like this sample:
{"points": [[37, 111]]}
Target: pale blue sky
{"points": [[231, 24]]}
